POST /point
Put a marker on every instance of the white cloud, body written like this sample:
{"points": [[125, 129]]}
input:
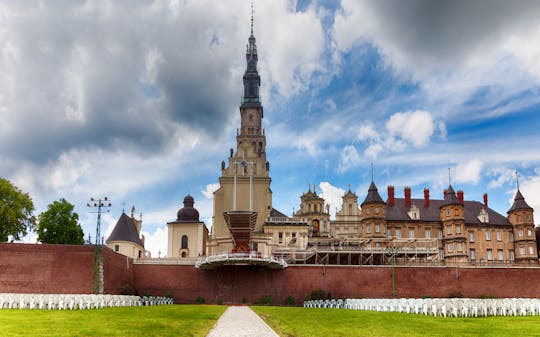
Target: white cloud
{"points": [[502, 175], [156, 242], [469, 172], [209, 190], [349, 158], [332, 196], [415, 127]]}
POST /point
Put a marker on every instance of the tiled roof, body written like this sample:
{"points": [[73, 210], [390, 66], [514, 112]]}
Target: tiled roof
{"points": [[472, 209], [373, 195], [125, 230], [519, 203], [450, 198], [274, 213]]}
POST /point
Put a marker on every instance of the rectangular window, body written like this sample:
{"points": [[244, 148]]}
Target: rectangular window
{"points": [[458, 229], [490, 255], [367, 211], [471, 236], [378, 245], [488, 235], [440, 234], [368, 229], [449, 230], [459, 247], [447, 212], [529, 232], [376, 210], [511, 237], [528, 217], [388, 233], [499, 236], [116, 248], [511, 253], [280, 237], [520, 233], [450, 247], [398, 233], [472, 253], [427, 233], [411, 233], [377, 229], [521, 251], [500, 255], [531, 250]]}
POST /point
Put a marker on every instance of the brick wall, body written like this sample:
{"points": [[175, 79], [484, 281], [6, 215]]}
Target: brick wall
{"points": [[68, 269], [56, 269]]}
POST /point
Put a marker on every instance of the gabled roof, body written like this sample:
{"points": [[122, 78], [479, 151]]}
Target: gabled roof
{"points": [[519, 203], [373, 195], [472, 209], [125, 230]]}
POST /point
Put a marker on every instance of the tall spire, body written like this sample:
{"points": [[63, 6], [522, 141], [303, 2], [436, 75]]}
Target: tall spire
{"points": [[252, 80]]}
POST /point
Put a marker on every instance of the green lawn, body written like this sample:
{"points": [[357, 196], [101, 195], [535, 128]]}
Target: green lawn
{"points": [[300, 322], [169, 320]]}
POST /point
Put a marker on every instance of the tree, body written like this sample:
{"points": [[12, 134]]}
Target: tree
{"points": [[16, 210], [59, 224]]}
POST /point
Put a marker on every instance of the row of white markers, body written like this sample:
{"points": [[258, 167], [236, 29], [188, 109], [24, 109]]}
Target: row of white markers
{"points": [[444, 307], [76, 301]]}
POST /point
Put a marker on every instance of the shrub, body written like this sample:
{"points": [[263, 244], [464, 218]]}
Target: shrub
{"points": [[167, 293], [244, 300], [128, 289], [484, 296], [219, 301], [454, 294], [426, 296], [266, 300], [290, 301], [199, 300], [318, 295]]}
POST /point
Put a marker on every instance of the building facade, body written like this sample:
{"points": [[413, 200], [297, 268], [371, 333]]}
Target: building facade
{"points": [[126, 236]]}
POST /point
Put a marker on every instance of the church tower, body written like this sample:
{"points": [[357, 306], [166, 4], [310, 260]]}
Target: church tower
{"points": [[245, 179]]}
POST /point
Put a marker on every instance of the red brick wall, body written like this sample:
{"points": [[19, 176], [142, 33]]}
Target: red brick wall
{"points": [[68, 269], [32, 268], [231, 284]]}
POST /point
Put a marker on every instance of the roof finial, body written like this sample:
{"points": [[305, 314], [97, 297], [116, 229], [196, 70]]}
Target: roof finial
{"points": [[449, 178], [123, 206], [372, 171], [251, 17], [517, 179]]}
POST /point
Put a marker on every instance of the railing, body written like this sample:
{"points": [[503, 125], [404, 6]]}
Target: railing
{"points": [[240, 257]]}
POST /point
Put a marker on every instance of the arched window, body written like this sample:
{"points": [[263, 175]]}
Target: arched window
{"points": [[184, 254], [184, 242]]}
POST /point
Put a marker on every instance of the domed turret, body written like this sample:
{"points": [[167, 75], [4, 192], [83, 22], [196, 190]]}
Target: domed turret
{"points": [[188, 213]]}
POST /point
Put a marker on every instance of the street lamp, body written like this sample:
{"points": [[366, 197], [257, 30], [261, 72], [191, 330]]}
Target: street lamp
{"points": [[97, 276]]}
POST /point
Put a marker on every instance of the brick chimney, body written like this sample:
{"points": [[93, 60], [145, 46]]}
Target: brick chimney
{"points": [[407, 196], [426, 197], [460, 196], [444, 194], [390, 201], [485, 200]]}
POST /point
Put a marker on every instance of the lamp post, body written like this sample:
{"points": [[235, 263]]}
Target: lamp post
{"points": [[97, 276]]}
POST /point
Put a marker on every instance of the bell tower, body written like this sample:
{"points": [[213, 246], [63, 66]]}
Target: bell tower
{"points": [[244, 199]]}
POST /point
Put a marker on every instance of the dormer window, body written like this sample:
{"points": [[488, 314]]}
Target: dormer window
{"points": [[414, 213], [483, 216]]}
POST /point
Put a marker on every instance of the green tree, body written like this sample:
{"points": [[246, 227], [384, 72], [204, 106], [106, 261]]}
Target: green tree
{"points": [[16, 210], [59, 224]]}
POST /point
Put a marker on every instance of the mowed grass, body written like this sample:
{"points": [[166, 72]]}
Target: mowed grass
{"points": [[316, 322], [168, 320]]}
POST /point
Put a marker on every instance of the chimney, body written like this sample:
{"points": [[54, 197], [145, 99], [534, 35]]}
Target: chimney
{"points": [[407, 196], [390, 195], [460, 196], [426, 197], [485, 200], [444, 194]]}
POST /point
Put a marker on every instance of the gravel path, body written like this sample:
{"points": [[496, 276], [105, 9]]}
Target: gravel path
{"points": [[241, 322]]}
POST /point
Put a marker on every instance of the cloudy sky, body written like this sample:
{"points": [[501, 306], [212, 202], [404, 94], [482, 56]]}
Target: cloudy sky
{"points": [[138, 100]]}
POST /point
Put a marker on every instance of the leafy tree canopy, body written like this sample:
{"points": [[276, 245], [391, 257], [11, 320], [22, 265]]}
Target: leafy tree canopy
{"points": [[16, 210], [60, 225]]}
